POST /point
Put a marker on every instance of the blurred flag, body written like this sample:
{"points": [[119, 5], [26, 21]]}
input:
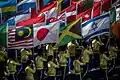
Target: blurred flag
{"points": [[25, 5], [69, 33], [46, 33], [116, 29], [96, 26], [21, 37]]}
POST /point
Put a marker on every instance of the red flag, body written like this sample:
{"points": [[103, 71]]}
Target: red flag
{"points": [[71, 13], [31, 21], [106, 5], [116, 29], [96, 9], [85, 15]]}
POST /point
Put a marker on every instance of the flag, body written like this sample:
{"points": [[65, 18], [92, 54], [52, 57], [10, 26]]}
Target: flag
{"points": [[31, 21], [115, 2], [49, 11], [3, 35], [96, 10], [25, 5], [106, 5], [7, 3], [69, 33], [85, 15], [116, 29], [117, 12], [65, 4], [46, 2], [71, 13], [96, 26], [8, 9], [21, 37], [113, 15], [46, 34], [19, 17]]}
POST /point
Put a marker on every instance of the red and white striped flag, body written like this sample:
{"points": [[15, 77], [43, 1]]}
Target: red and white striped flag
{"points": [[21, 37]]}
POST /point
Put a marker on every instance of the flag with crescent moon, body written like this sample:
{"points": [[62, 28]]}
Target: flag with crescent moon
{"points": [[21, 37]]}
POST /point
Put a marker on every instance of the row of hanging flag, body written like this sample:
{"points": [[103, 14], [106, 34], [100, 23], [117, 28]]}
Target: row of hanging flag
{"points": [[29, 23]]}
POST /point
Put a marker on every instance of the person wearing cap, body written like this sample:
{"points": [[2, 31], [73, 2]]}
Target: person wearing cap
{"points": [[2, 62], [30, 70], [63, 56], [11, 68], [39, 61], [51, 68], [25, 57]]}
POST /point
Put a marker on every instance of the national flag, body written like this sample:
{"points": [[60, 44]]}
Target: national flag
{"points": [[49, 11], [21, 37], [71, 13], [115, 2], [116, 29], [46, 2], [85, 15], [106, 5], [19, 17], [113, 15], [69, 33], [31, 21], [8, 3], [25, 5], [3, 35], [46, 33], [118, 12], [96, 26], [96, 10], [65, 4]]}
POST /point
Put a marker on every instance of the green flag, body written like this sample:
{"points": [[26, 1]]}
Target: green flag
{"points": [[112, 15], [3, 35], [69, 33]]}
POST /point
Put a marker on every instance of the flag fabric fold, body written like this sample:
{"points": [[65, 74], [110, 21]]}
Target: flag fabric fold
{"points": [[46, 33], [96, 26]]}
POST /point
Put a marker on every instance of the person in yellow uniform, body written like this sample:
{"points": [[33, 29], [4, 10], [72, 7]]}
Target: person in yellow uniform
{"points": [[78, 65], [51, 68], [30, 70], [86, 57], [49, 48], [25, 56], [104, 62], [39, 61], [71, 50], [2, 63], [96, 50], [63, 56], [11, 68]]}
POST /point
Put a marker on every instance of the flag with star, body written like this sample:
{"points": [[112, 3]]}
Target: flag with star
{"points": [[96, 26], [21, 37], [69, 33]]}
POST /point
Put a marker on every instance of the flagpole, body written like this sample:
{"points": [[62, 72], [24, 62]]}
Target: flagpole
{"points": [[33, 43]]}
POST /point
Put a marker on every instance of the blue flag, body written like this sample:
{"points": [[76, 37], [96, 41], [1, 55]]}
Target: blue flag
{"points": [[96, 26], [8, 3]]}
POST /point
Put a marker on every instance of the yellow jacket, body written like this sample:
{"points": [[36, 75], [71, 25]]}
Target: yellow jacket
{"points": [[2, 56], [77, 66], [52, 68], [30, 73], [39, 60], [63, 58], [86, 54], [25, 55], [11, 66], [103, 61]]}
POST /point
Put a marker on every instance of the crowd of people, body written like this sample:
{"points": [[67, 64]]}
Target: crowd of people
{"points": [[48, 61]]}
